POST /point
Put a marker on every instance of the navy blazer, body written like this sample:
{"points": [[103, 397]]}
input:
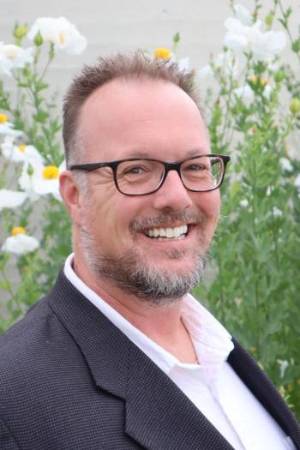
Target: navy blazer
{"points": [[70, 380]]}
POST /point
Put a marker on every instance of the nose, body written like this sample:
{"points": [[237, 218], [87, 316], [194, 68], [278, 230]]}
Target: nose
{"points": [[172, 194]]}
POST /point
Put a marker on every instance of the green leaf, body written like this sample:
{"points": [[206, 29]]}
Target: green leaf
{"points": [[41, 116]]}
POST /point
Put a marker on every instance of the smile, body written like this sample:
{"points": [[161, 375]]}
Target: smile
{"points": [[168, 233]]}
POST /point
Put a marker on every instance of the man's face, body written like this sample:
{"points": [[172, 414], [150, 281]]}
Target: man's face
{"points": [[152, 119]]}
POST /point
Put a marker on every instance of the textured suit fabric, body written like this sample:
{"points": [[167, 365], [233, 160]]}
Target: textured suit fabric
{"points": [[69, 379]]}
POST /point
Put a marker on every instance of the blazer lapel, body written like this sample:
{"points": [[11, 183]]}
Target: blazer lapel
{"points": [[160, 416], [264, 391], [157, 414]]}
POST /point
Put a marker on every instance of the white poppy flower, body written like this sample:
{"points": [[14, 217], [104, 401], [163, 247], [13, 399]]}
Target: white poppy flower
{"points": [[21, 152], [236, 37], [7, 128], [19, 242], [286, 165], [14, 57], [60, 32], [11, 199], [245, 93], [37, 179], [263, 45], [242, 14]]}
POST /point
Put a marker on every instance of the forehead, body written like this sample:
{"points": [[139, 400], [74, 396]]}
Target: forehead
{"points": [[125, 116]]}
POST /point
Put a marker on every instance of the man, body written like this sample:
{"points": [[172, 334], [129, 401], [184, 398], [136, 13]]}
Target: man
{"points": [[118, 355]]}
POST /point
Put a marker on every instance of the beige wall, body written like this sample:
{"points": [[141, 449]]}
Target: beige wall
{"points": [[118, 25]]}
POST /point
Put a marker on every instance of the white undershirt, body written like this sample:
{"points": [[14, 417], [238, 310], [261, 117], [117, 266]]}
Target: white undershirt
{"points": [[213, 386]]}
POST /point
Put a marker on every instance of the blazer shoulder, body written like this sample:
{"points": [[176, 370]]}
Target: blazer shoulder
{"points": [[26, 329], [25, 347]]}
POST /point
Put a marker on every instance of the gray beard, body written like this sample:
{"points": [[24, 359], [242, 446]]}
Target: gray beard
{"points": [[145, 282], [148, 283]]}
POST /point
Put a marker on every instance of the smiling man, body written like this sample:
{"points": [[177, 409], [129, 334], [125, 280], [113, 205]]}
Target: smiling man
{"points": [[119, 355]]}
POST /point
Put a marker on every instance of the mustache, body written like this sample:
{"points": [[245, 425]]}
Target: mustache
{"points": [[167, 219]]}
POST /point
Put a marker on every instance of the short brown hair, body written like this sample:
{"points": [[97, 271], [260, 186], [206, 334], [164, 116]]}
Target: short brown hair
{"points": [[133, 65]]}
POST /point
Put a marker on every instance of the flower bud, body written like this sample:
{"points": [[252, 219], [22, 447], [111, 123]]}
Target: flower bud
{"points": [[279, 76], [257, 83], [295, 106], [20, 31], [38, 40], [269, 20]]}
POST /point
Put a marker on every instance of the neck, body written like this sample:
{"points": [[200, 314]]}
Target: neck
{"points": [[160, 322]]}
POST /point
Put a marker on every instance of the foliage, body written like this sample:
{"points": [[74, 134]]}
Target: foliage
{"points": [[254, 115], [30, 163], [252, 98]]}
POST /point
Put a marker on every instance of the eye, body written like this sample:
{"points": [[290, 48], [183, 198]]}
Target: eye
{"points": [[135, 170], [196, 167]]}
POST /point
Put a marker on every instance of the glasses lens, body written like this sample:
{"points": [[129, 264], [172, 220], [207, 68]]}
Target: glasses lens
{"points": [[139, 176], [202, 173]]}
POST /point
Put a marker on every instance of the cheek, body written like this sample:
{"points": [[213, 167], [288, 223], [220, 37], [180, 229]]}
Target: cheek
{"points": [[112, 217], [210, 203]]}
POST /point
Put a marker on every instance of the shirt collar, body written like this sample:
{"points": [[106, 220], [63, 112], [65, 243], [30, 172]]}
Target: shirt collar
{"points": [[211, 340]]}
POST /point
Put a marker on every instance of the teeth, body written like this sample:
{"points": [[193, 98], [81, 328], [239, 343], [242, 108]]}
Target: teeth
{"points": [[169, 233]]}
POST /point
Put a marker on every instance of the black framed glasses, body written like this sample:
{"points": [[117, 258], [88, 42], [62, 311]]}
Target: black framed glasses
{"points": [[136, 176]]}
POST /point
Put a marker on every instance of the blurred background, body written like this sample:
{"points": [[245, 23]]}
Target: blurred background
{"points": [[125, 25]]}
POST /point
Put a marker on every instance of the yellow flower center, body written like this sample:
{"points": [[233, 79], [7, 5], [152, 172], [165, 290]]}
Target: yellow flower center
{"points": [[3, 118], [263, 82], [61, 38], [162, 53], [18, 230], [22, 148], [258, 81], [50, 172]]}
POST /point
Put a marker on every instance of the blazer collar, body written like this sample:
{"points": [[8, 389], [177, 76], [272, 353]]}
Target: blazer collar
{"points": [[157, 413]]}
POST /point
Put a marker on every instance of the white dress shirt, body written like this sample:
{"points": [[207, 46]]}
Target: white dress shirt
{"points": [[213, 386]]}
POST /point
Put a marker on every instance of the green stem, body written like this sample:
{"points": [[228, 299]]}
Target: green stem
{"points": [[256, 294], [286, 27], [8, 284], [44, 71]]}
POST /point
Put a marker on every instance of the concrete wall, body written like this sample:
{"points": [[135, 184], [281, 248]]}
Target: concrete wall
{"points": [[120, 25]]}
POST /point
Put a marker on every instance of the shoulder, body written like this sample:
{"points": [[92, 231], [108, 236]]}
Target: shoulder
{"points": [[25, 333], [40, 364], [24, 339], [34, 351]]}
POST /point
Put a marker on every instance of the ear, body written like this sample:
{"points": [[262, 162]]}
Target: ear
{"points": [[69, 190]]}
